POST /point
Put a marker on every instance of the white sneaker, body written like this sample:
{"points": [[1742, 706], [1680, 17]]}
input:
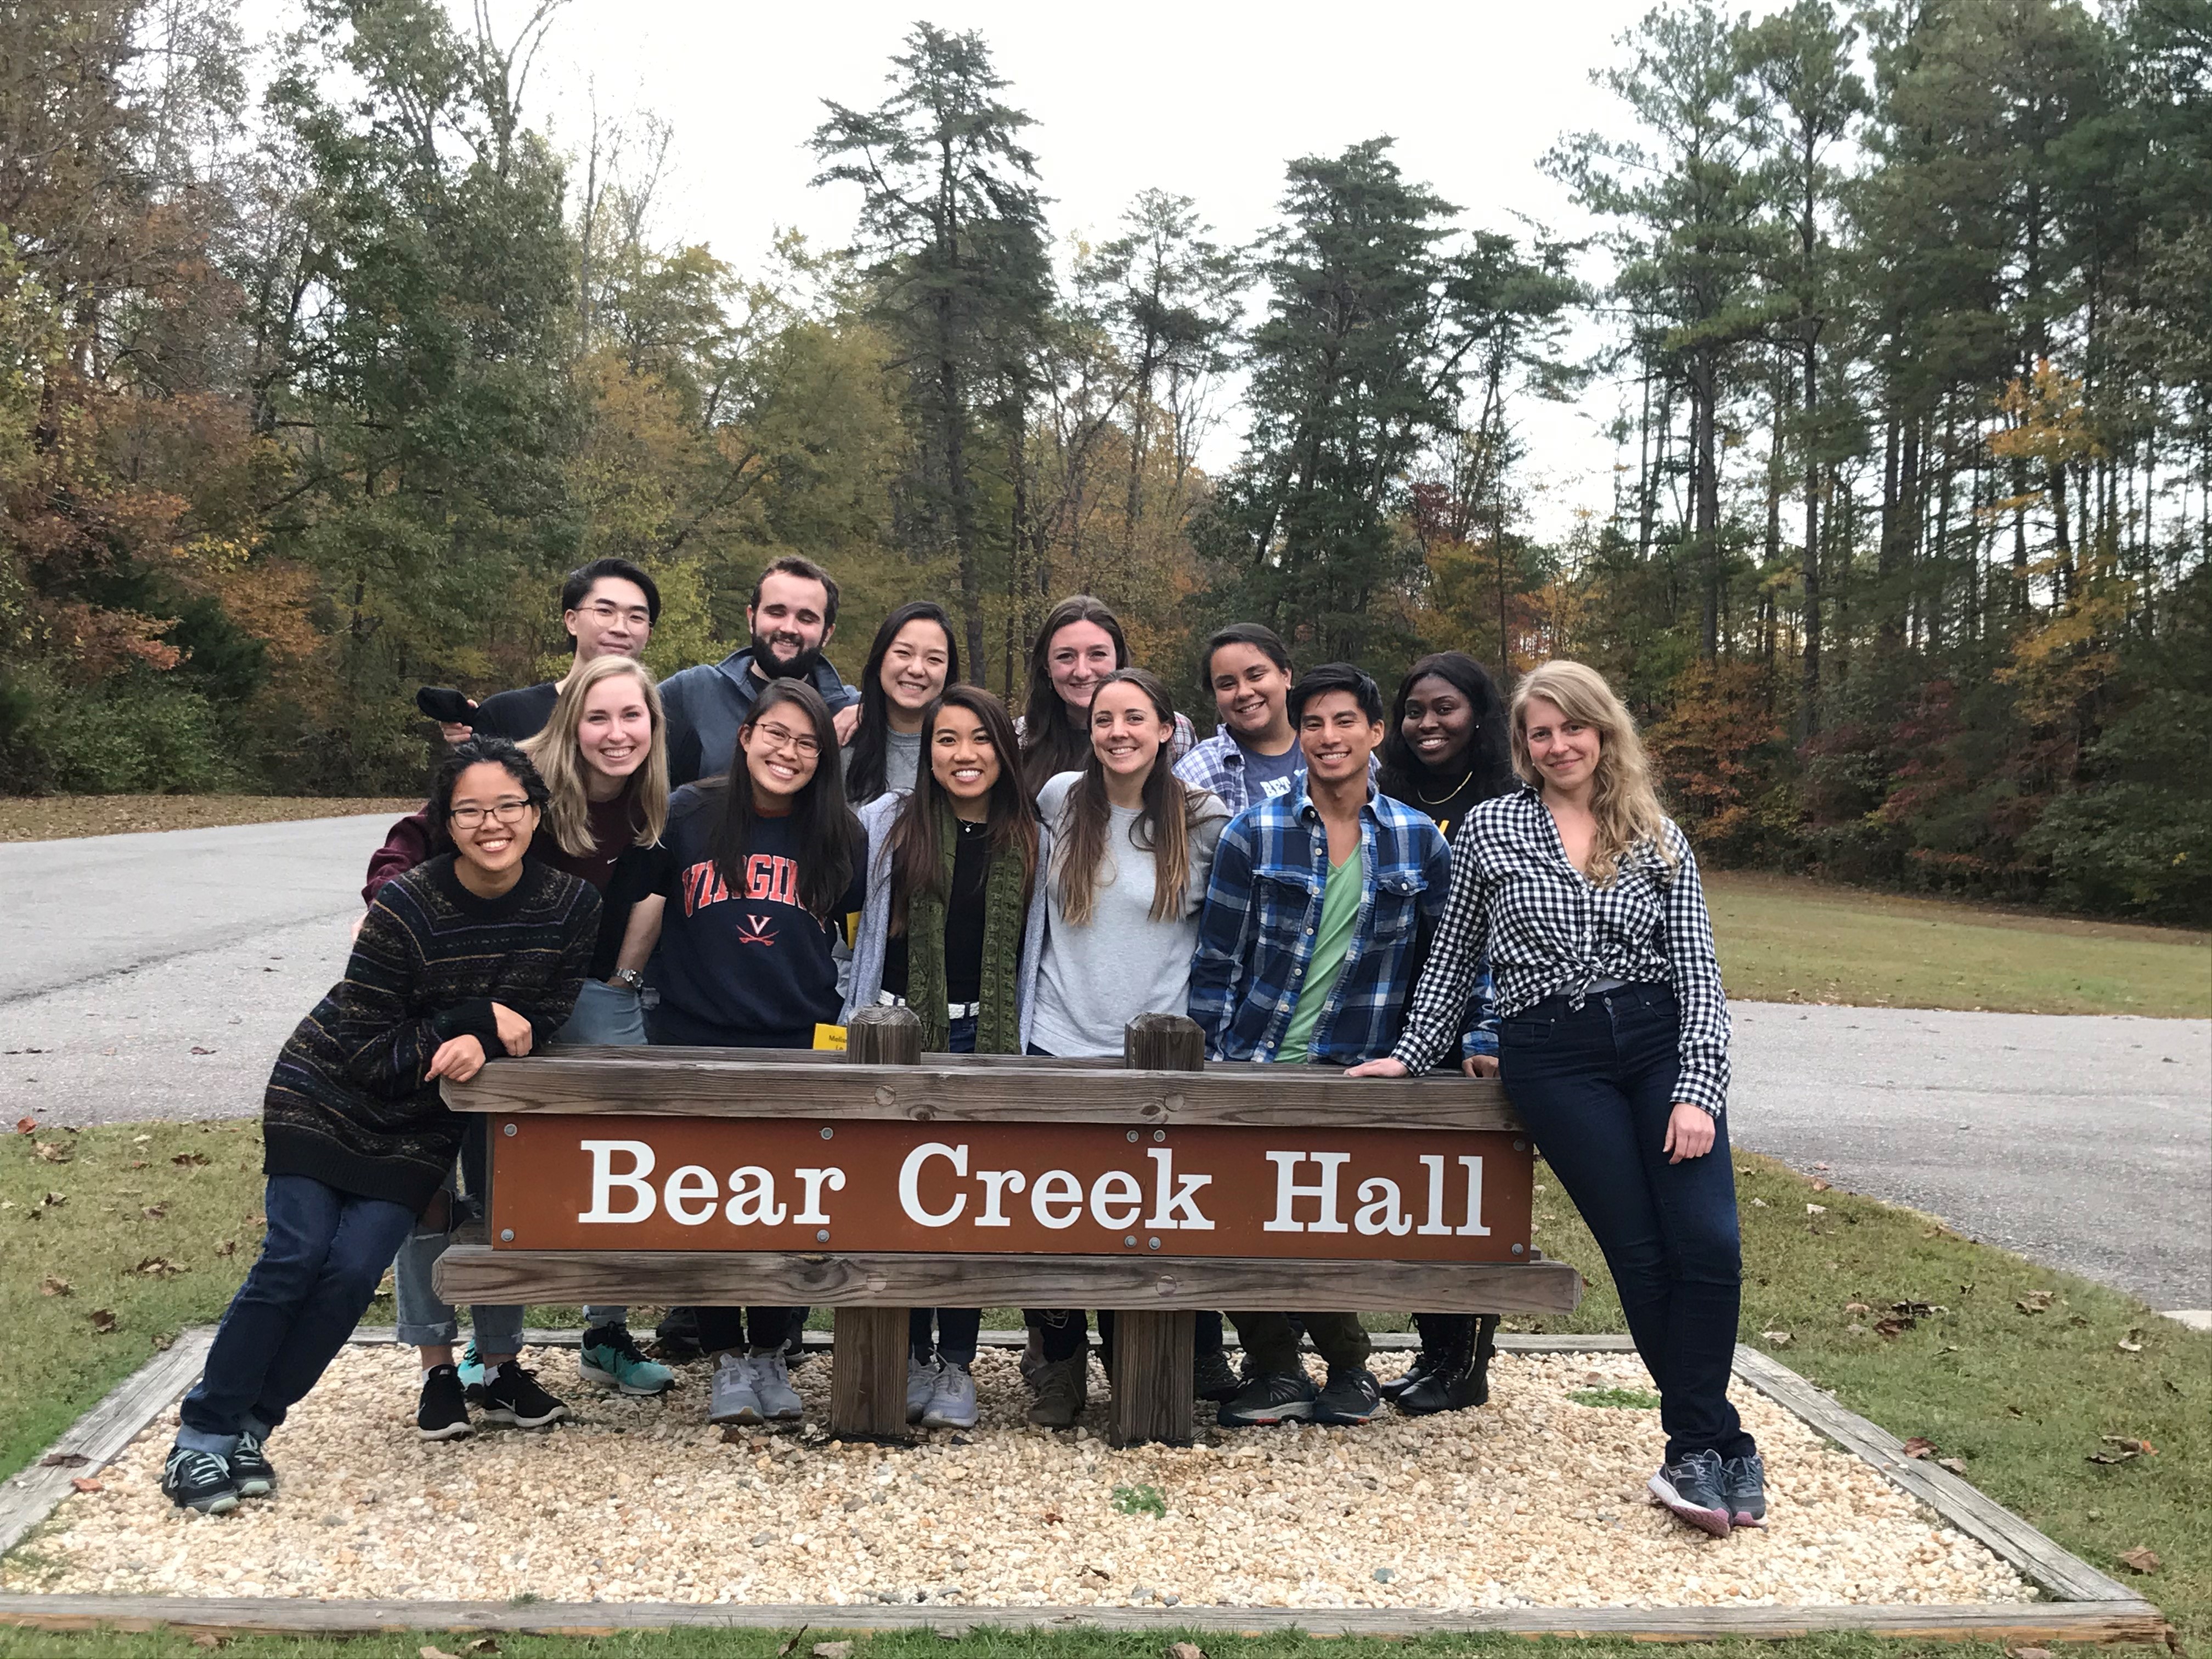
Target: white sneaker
{"points": [[772, 1384], [920, 1384], [734, 1398], [952, 1402]]}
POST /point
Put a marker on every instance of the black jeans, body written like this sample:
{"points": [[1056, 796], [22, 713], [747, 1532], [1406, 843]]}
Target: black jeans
{"points": [[726, 1330], [1595, 1086]]}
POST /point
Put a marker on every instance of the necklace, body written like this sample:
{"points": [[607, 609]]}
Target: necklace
{"points": [[1438, 801]]}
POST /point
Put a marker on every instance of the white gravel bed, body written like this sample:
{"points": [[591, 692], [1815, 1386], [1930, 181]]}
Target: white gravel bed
{"points": [[1533, 1500]]}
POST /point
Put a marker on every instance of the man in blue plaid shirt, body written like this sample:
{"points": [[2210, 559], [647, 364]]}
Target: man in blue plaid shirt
{"points": [[1320, 901]]}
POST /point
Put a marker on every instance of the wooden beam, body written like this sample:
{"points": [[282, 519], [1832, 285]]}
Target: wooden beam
{"points": [[476, 1272], [867, 1377], [2038, 1558], [2131, 1620], [1155, 1349], [1033, 1091]]}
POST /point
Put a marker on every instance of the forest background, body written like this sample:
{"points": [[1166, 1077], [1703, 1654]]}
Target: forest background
{"points": [[317, 369]]}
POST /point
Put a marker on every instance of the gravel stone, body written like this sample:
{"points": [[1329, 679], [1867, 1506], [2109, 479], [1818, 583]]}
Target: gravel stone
{"points": [[1532, 1500]]}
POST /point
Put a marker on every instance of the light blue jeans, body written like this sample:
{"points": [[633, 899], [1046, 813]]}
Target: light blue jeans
{"points": [[605, 1016]]}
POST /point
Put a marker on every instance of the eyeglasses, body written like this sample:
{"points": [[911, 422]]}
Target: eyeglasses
{"points": [[471, 818], [637, 615], [782, 738]]}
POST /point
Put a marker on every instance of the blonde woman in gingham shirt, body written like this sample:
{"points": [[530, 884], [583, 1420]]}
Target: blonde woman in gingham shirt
{"points": [[1612, 1048]]}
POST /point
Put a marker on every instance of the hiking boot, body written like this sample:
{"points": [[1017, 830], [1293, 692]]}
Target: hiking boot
{"points": [[1271, 1397], [511, 1395], [198, 1480], [951, 1399], [1461, 1375], [1392, 1389], [1063, 1390], [676, 1339], [1033, 1360], [1351, 1396], [1743, 1486], [443, 1412], [779, 1402], [250, 1467], [1213, 1378], [609, 1357], [920, 1384], [1691, 1489], [732, 1397]]}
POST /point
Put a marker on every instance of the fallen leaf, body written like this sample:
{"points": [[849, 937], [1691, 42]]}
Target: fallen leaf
{"points": [[102, 1320], [1779, 1338], [1917, 1310], [229, 1247], [51, 1152], [85, 1483], [2120, 1449], [26, 1125], [1893, 1327], [208, 1638], [50, 1285], [2140, 1559], [1053, 1517], [2036, 1301], [1857, 1308], [2132, 1342], [189, 1159], [1918, 1446], [198, 1050], [158, 1266], [785, 1649], [1816, 1209], [1819, 1185], [426, 1650], [64, 1461], [1758, 1204], [1185, 1650], [140, 1141], [833, 1650], [1956, 1465], [154, 1211]]}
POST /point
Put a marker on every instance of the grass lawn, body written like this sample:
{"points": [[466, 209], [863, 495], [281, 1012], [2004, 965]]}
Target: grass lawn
{"points": [[54, 818], [1786, 940], [2022, 1398]]}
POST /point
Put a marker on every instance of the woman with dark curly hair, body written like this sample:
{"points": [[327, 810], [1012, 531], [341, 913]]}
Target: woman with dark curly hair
{"points": [[470, 956]]}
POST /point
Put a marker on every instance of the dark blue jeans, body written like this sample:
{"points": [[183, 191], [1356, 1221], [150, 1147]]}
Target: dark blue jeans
{"points": [[1596, 1087], [320, 1263]]}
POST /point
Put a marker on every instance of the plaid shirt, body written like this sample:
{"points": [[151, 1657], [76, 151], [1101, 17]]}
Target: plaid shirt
{"points": [[1548, 930], [1262, 908], [1217, 764]]}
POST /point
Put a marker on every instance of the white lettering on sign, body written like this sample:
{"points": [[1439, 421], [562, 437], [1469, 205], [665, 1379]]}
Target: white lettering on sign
{"points": [[996, 1184], [1116, 1200], [605, 1179], [752, 1199], [1055, 1189], [810, 1182], [1378, 1209], [687, 1183], [910, 1183], [1180, 1210], [1288, 1192], [1473, 1228]]}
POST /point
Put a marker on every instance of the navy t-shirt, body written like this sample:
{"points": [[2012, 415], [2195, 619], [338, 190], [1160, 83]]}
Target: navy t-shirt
{"points": [[1267, 775], [745, 960]]}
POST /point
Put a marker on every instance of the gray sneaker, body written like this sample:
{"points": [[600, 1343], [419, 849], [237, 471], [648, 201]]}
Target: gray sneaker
{"points": [[920, 1384], [951, 1400], [772, 1383], [733, 1398]]}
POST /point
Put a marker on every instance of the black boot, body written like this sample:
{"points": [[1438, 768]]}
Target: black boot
{"points": [[1460, 1376]]}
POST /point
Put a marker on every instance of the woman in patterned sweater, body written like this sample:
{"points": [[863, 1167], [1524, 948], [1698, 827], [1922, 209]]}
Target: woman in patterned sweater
{"points": [[1612, 1046], [473, 955]]}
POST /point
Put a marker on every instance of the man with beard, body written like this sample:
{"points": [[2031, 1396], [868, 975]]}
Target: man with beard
{"points": [[792, 616]]}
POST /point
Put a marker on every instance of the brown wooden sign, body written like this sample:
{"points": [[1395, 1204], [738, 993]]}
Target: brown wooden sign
{"points": [[639, 1182]]}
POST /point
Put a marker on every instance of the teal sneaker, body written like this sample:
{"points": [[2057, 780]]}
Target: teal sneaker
{"points": [[609, 1357], [471, 1367]]}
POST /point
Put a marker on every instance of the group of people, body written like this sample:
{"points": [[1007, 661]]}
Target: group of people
{"points": [[751, 849]]}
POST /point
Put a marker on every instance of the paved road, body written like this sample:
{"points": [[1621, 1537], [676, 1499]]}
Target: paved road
{"points": [[2082, 1142]]}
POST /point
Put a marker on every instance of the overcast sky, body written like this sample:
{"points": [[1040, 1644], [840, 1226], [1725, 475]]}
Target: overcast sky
{"points": [[1202, 98]]}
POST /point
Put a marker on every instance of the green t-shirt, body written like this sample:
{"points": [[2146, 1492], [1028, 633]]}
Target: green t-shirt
{"points": [[1340, 908]]}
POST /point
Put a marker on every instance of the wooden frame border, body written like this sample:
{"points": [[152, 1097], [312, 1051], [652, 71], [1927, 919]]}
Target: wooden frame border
{"points": [[2090, 1606]]}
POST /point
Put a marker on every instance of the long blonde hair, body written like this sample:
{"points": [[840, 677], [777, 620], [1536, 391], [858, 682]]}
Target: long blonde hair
{"points": [[560, 761], [1622, 800]]}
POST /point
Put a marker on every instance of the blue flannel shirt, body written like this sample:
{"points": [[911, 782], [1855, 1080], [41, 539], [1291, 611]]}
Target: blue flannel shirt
{"points": [[1263, 905], [1218, 764]]}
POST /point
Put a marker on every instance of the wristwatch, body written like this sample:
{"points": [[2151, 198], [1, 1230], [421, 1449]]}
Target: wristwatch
{"points": [[629, 978]]}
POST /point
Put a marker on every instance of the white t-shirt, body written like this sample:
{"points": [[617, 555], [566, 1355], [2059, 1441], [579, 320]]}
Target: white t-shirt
{"points": [[1096, 978]]}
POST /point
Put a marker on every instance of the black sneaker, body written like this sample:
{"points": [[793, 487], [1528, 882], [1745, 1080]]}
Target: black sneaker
{"points": [[511, 1395], [1743, 1484], [1212, 1377], [251, 1468], [198, 1480], [1691, 1489], [1351, 1396], [443, 1412], [1274, 1397]]}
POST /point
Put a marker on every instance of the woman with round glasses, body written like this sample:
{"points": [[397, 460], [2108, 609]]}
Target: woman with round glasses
{"points": [[766, 861]]}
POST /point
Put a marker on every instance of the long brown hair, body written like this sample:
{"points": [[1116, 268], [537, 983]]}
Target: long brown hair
{"points": [[822, 827], [1162, 829], [1051, 742], [560, 761], [916, 859], [1622, 800]]}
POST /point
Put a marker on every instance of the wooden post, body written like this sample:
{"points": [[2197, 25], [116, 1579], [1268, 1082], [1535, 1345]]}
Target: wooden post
{"points": [[1154, 1351], [868, 1352]]}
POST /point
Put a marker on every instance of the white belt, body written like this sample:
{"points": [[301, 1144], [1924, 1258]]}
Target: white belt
{"points": [[952, 1010]]}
